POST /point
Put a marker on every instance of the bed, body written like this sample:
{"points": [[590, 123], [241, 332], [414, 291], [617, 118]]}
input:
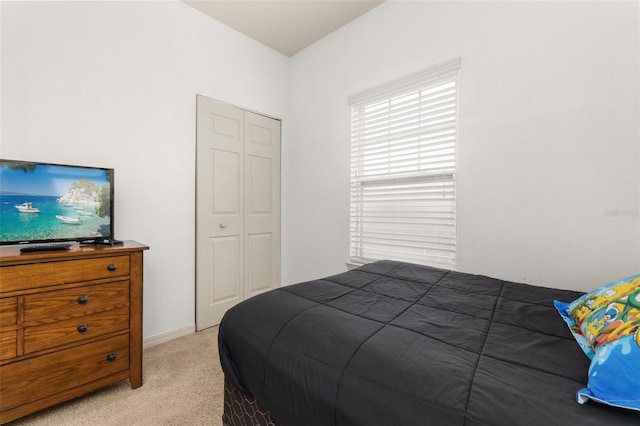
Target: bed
{"points": [[394, 343]]}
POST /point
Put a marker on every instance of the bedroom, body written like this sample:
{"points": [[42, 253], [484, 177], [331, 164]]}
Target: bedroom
{"points": [[548, 127]]}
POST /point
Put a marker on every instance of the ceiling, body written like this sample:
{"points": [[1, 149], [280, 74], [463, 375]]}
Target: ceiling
{"points": [[287, 26]]}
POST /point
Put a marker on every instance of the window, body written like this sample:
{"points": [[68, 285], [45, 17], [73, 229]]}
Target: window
{"points": [[403, 169]]}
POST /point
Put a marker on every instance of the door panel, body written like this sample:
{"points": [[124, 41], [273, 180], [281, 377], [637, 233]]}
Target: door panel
{"points": [[262, 203], [260, 183], [225, 184], [224, 281], [219, 211], [260, 263]]}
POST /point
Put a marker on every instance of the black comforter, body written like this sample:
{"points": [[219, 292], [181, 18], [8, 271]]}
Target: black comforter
{"points": [[400, 344]]}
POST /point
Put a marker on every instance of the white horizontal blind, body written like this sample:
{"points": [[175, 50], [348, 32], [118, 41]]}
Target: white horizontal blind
{"points": [[403, 169]]}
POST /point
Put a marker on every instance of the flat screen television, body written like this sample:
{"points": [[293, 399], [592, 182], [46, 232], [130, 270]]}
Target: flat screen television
{"points": [[43, 203]]}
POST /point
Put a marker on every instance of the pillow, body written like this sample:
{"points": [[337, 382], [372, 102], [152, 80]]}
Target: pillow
{"points": [[614, 374], [606, 325]]}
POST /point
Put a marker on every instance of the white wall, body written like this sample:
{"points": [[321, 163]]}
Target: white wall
{"points": [[114, 84], [549, 143]]}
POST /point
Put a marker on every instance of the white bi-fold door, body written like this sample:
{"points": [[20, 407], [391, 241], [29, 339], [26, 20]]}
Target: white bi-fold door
{"points": [[237, 207]]}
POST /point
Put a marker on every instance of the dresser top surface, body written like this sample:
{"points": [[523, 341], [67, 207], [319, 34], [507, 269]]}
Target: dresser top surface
{"points": [[12, 253]]}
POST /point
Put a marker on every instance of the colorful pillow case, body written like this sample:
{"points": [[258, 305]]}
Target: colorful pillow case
{"points": [[606, 325]]}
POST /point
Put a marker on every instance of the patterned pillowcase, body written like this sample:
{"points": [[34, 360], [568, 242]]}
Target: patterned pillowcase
{"points": [[606, 325]]}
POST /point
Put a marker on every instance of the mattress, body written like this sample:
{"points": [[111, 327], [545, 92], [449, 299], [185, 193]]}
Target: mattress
{"points": [[394, 343]]}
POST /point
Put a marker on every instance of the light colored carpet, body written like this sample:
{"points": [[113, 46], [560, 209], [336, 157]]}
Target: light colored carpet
{"points": [[182, 385]]}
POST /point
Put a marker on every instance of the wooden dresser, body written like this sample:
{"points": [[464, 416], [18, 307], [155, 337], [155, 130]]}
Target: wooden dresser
{"points": [[70, 323]]}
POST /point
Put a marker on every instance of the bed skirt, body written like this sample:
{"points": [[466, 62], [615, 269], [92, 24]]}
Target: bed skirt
{"points": [[241, 409]]}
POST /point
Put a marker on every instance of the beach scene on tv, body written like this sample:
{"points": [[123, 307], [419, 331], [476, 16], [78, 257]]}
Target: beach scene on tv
{"points": [[43, 202]]}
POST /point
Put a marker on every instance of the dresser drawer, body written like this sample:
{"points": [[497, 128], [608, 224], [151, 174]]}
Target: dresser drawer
{"points": [[39, 377], [8, 311], [22, 277], [74, 330], [53, 306], [8, 344]]}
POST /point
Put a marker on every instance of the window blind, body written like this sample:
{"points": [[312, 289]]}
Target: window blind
{"points": [[403, 169]]}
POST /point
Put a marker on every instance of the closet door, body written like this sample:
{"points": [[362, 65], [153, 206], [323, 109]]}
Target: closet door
{"points": [[262, 204], [237, 207]]}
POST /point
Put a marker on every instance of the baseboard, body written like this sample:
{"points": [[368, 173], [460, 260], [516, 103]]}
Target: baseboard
{"points": [[148, 342]]}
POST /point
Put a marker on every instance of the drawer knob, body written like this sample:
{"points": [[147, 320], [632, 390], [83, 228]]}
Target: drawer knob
{"points": [[82, 328], [111, 357], [82, 300], [112, 267]]}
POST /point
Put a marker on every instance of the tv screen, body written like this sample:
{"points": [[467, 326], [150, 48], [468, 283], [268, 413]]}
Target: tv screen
{"points": [[42, 202]]}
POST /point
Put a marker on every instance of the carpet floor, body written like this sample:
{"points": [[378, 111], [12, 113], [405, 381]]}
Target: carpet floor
{"points": [[182, 385]]}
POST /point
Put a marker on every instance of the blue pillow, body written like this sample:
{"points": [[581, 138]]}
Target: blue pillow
{"points": [[606, 325], [614, 374]]}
